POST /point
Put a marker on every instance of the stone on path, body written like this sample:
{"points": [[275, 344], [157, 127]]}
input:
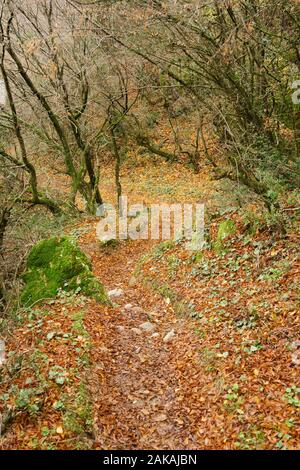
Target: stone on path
{"points": [[128, 306], [147, 326], [114, 293], [169, 336]]}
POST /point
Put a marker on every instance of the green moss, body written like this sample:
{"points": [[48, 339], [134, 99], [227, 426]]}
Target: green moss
{"points": [[89, 285], [77, 417], [58, 263], [226, 229]]}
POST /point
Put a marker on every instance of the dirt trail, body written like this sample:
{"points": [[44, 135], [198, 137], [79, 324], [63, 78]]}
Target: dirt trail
{"points": [[138, 400]]}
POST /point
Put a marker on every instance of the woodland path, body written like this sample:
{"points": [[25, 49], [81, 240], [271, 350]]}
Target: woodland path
{"points": [[139, 403]]}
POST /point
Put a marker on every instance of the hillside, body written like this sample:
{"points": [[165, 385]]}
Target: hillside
{"points": [[199, 350]]}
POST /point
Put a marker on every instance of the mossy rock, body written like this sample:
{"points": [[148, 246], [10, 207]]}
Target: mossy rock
{"points": [[226, 229], [58, 263]]}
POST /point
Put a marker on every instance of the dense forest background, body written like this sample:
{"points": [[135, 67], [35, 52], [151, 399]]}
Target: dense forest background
{"points": [[88, 81]]}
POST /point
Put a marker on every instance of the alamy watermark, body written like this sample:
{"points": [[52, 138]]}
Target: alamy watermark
{"points": [[155, 222]]}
